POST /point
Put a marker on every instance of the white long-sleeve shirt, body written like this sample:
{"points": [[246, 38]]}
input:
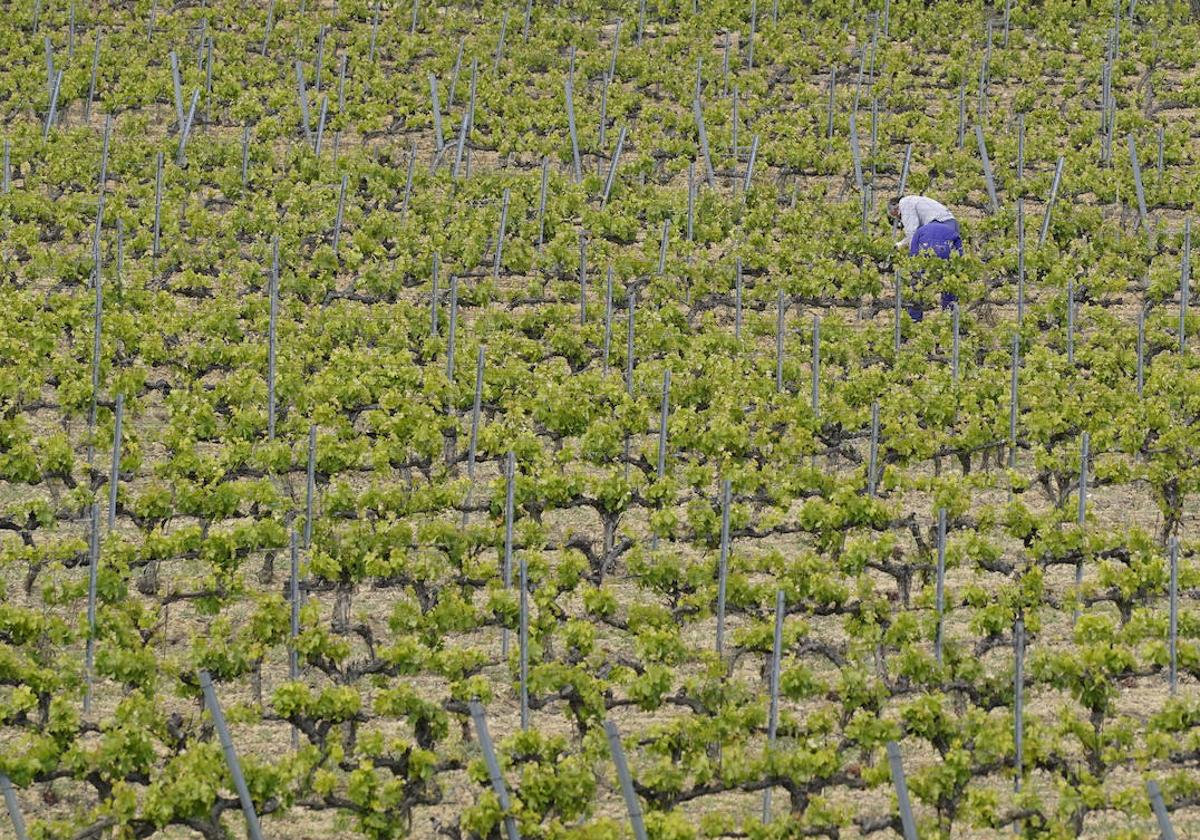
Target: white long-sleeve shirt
{"points": [[918, 210]]}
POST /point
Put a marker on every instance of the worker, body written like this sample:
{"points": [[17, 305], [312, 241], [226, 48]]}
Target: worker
{"points": [[929, 227]]}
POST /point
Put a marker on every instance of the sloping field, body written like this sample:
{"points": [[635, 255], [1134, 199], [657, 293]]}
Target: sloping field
{"points": [[284, 287]]}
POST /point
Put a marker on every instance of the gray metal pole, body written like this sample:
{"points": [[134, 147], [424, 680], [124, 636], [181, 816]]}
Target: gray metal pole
{"points": [[867, 204], [475, 411], [1020, 262], [662, 244], [874, 134], [1165, 830], [897, 766], [862, 64], [542, 203], [177, 86], [93, 564], [319, 60], [158, 192], [734, 121], [506, 569], [723, 567], [374, 33], [14, 808], [1160, 153], [612, 169], [832, 100], [1185, 276], [577, 169], [467, 121], [691, 200], [873, 459], [750, 165], [987, 169], [737, 310], [962, 112], [436, 108], [1019, 702], [310, 485], [499, 42], [450, 338], [294, 629], [341, 211], [1012, 401], [1058, 171], [408, 178], [180, 155], [1137, 181], [954, 345], [816, 365], [1081, 515], [940, 597], [1173, 616], [728, 41], [608, 313], [493, 766], [87, 106], [294, 598], [115, 477], [273, 306], [750, 39], [773, 715], [603, 126], [245, 153], [856, 154], [896, 320], [302, 96], [1141, 350], [496, 264], [101, 192], [1020, 136], [1071, 321], [632, 805], [698, 113], [629, 333], [664, 413], [984, 73], [582, 277], [341, 85], [781, 311], [231, 758], [523, 641], [97, 332], [120, 254], [270, 25], [320, 138], [433, 298], [454, 73], [53, 109], [873, 18], [474, 440]]}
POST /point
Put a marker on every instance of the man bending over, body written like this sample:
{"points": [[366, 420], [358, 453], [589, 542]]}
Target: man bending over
{"points": [[929, 227]]}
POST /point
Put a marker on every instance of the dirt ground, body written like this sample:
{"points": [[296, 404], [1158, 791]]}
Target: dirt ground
{"points": [[1119, 507]]}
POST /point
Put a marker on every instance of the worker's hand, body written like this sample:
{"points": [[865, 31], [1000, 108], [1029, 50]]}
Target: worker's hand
{"points": [[901, 244]]}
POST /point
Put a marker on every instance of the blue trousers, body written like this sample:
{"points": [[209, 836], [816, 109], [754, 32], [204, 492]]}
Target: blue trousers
{"points": [[940, 239]]}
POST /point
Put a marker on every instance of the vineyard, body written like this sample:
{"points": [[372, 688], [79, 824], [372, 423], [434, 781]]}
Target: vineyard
{"points": [[506, 420]]}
